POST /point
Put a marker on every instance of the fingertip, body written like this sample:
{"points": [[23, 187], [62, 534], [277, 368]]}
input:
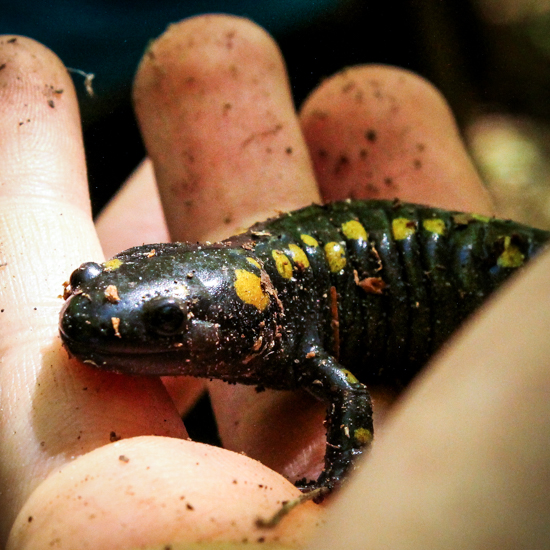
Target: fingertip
{"points": [[44, 193], [151, 491], [40, 131], [190, 36], [217, 116], [383, 132]]}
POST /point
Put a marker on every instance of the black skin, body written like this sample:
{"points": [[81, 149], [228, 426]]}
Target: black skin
{"points": [[393, 290]]}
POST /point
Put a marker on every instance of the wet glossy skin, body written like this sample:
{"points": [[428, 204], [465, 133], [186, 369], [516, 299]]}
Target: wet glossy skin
{"points": [[373, 286], [174, 301]]}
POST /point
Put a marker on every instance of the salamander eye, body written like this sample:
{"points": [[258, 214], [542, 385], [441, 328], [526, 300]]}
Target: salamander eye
{"points": [[166, 316], [84, 274]]}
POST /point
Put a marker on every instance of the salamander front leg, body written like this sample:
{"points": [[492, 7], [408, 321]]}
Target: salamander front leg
{"points": [[349, 425], [349, 414]]}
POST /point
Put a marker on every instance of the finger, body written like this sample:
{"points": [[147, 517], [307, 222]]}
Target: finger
{"points": [[379, 132], [382, 132], [53, 409], [134, 217], [183, 495], [227, 153]]}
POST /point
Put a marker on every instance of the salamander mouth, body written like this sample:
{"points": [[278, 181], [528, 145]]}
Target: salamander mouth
{"points": [[167, 362]]}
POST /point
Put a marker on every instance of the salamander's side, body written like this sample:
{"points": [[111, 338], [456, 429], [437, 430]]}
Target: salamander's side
{"points": [[387, 282]]}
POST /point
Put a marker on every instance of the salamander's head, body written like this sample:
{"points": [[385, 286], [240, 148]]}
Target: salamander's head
{"points": [[172, 309]]}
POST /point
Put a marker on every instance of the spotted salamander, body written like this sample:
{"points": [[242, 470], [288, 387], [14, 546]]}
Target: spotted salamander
{"points": [[373, 286]]}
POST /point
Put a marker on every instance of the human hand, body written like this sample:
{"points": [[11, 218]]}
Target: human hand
{"points": [[218, 123]]}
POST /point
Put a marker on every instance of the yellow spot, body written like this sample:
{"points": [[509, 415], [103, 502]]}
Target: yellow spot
{"points": [[112, 265], [511, 256], [335, 255], [350, 377], [249, 289], [434, 225], [309, 240], [284, 267], [481, 218], [362, 436], [403, 228], [354, 230], [299, 256], [254, 262]]}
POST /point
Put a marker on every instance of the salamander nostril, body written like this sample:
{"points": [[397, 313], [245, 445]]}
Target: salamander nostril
{"points": [[84, 274]]}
